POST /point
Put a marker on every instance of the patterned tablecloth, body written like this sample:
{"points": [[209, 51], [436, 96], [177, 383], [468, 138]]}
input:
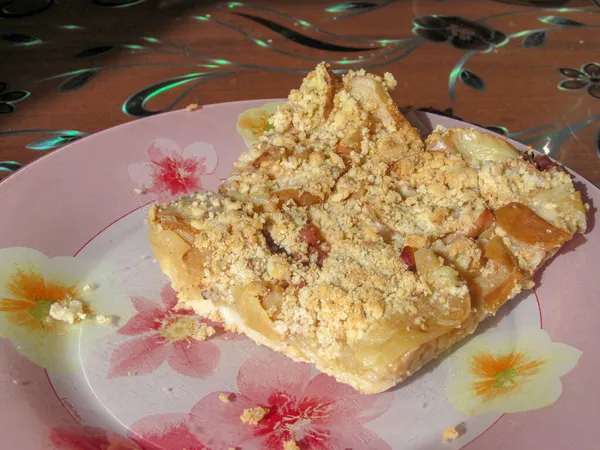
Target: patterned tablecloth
{"points": [[527, 69]]}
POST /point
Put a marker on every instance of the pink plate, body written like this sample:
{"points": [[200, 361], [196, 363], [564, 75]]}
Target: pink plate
{"points": [[72, 225]]}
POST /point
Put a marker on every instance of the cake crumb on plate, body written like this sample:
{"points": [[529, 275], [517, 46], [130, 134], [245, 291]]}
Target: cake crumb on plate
{"points": [[192, 107], [290, 445], [70, 311], [104, 320], [449, 434], [252, 416], [90, 287]]}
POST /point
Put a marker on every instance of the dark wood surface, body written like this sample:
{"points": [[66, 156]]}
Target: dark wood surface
{"points": [[74, 67]]}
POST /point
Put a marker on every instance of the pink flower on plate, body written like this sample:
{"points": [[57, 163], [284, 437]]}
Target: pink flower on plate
{"points": [[89, 438], [173, 171], [168, 431], [165, 334], [317, 413]]}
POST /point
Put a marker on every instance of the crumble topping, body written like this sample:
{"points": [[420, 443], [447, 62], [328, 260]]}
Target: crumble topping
{"points": [[340, 224], [252, 416]]}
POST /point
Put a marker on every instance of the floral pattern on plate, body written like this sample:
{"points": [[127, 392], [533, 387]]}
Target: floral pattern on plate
{"points": [[30, 283], [172, 171], [165, 333], [252, 123], [315, 412], [168, 431], [172, 415], [509, 371]]}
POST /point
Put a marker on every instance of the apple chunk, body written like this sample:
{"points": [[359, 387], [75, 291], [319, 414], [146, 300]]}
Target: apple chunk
{"points": [[523, 224], [499, 282], [455, 305], [474, 145], [249, 305], [483, 222]]}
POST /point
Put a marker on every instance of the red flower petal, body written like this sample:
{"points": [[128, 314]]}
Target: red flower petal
{"points": [[168, 431], [343, 437], [347, 404], [145, 306], [268, 373], [89, 438], [321, 414], [222, 420], [138, 324], [169, 297], [177, 176], [171, 172], [138, 356], [276, 440], [161, 149], [196, 359], [72, 440], [150, 313], [141, 174], [142, 323], [203, 152]]}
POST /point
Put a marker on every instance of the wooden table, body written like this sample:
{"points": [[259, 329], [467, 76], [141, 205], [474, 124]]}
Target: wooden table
{"points": [[528, 69]]}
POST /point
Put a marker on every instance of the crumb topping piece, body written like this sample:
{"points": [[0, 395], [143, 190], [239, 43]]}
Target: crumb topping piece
{"points": [[252, 416]]}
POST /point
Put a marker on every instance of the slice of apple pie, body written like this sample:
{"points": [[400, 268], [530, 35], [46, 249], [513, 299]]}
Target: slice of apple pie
{"points": [[343, 239]]}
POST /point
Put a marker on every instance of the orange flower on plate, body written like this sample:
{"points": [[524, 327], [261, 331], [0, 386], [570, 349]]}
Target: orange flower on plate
{"points": [[30, 299], [253, 122], [500, 374], [30, 283], [508, 371]]}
